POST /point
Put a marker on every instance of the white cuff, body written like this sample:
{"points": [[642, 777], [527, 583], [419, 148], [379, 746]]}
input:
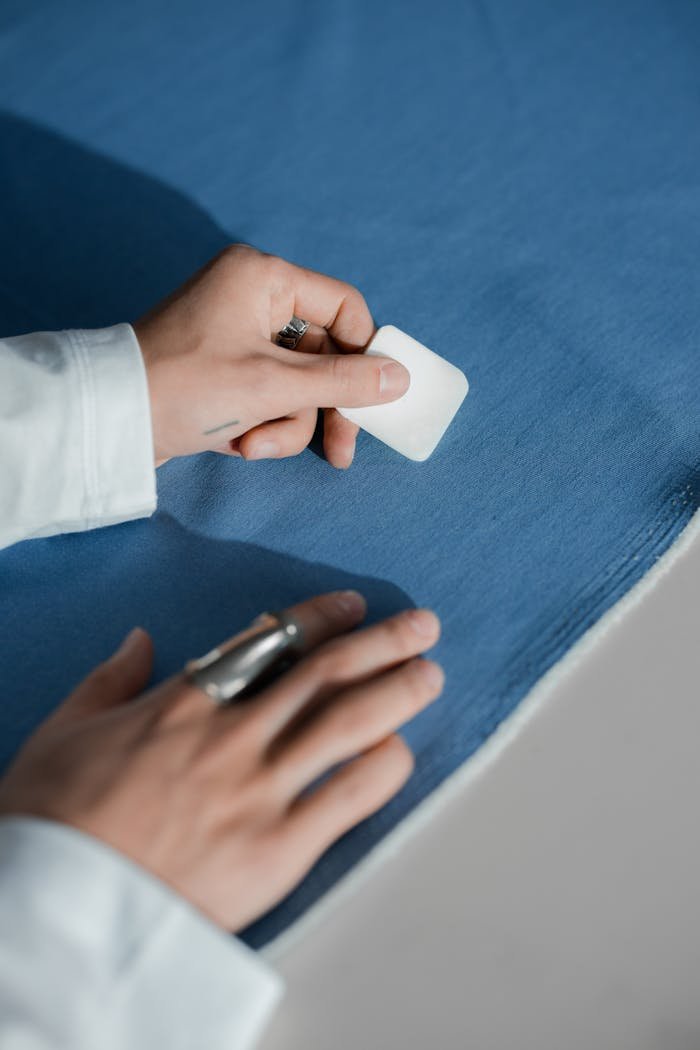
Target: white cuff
{"points": [[94, 951], [75, 432], [117, 435]]}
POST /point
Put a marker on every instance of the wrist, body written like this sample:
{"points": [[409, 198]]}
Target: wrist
{"points": [[145, 342]]}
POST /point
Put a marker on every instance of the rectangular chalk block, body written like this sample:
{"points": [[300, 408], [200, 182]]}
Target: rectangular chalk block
{"points": [[414, 424]]}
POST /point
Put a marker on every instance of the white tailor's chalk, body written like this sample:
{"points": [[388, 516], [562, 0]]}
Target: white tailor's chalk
{"points": [[414, 424]]}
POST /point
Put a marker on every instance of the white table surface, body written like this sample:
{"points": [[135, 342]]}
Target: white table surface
{"points": [[554, 903]]}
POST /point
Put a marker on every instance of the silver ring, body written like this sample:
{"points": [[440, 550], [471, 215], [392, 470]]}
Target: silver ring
{"points": [[228, 670], [293, 331]]}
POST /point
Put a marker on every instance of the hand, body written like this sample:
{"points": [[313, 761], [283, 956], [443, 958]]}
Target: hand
{"points": [[213, 800], [217, 381]]}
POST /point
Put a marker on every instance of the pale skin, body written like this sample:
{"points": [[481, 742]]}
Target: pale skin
{"points": [[215, 801], [218, 382]]}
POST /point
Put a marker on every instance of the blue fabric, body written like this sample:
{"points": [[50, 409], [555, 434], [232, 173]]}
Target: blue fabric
{"points": [[515, 184]]}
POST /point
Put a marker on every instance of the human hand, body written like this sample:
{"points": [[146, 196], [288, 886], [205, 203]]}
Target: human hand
{"points": [[217, 380], [214, 800]]}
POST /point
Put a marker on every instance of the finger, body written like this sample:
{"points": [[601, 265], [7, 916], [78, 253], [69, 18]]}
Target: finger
{"points": [[229, 449], [355, 720], [344, 661], [279, 438], [121, 677], [339, 436], [347, 380], [341, 380], [318, 619], [325, 616], [316, 340], [349, 796], [324, 301], [338, 433]]}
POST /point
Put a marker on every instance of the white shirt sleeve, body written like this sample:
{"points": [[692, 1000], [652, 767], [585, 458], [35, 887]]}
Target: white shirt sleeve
{"points": [[94, 951], [97, 953], [76, 446]]}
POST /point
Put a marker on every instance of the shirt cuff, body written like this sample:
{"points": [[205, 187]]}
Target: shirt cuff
{"points": [[118, 450], [100, 949], [75, 432]]}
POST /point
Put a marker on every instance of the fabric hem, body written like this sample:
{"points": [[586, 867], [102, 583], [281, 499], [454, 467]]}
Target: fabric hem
{"points": [[484, 756]]}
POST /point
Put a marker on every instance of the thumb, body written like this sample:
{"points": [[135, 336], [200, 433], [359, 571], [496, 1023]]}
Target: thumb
{"points": [[121, 677], [348, 380]]}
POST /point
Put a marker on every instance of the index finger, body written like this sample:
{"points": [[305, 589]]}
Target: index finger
{"points": [[324, 301]]}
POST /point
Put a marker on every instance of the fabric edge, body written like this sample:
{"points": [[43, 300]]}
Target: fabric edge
{"points": [[481, 760]]}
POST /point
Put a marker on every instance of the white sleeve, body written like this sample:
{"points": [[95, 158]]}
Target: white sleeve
{"points": [[76, 447], [95, 952]]}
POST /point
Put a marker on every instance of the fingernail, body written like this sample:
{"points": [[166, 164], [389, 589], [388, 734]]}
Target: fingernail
{"points": [[351, 602], [424, 622], [432, 673], [265, 450], [393, 379], [129, 643]]}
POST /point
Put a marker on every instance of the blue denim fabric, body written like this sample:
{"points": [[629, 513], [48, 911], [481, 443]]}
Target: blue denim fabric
{"points": [[515, 184]]}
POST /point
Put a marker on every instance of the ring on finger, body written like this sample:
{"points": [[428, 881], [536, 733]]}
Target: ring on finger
{"points": [[293, 331], [232, 668]]}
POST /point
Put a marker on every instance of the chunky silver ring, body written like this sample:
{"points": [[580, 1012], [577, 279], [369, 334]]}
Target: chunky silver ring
{"points": [[231, 668], [293, 331]]}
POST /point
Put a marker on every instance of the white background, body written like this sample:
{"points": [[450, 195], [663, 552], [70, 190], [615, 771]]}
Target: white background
{"points": [[554, 903]]}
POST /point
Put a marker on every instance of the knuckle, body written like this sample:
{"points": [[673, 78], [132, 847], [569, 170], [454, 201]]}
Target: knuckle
{"points": [[228, 780], [352, 295], [346, 721], [357, 318], [277, 273], [227, 257], [265, 851], [237, 251], [352, 299], [332, 661], [343, 372], [228, 262], [275, 265]]}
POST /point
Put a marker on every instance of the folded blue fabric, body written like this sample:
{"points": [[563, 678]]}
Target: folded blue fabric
{"points": [[515, 185]]}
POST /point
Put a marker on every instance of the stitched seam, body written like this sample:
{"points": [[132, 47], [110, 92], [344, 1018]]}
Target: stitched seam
{"points": [[435, 771], [93, 502], [76, 354], [522, 677], [569, 628], [642, 540]]}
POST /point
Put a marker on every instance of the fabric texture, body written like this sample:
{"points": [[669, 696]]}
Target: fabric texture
{"points": [[85, 393], [515, 185], [95, 952]]}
